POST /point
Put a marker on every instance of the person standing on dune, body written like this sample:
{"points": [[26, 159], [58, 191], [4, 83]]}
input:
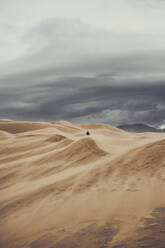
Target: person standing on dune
{"points": [[87, 133]]}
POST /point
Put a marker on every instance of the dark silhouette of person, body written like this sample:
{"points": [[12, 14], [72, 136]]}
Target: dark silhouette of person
{"points": [[87, 133]]}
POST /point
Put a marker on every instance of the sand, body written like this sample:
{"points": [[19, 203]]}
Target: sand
{"points": [[62, 189]]}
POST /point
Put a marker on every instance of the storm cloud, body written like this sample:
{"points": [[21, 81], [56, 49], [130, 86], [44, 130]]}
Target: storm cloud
{"points": [[84, 62]]}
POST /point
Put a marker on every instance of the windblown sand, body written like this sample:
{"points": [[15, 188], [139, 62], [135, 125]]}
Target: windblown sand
{"points": [[62, 189]]}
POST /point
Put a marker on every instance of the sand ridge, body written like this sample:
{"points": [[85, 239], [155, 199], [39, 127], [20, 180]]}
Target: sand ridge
{"points": [[61, 188]]}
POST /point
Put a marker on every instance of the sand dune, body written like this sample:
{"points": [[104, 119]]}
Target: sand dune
{"points": [[65, 126], [4, 135], [62, 189], [100, 126], [20, 127], [5, 120]]}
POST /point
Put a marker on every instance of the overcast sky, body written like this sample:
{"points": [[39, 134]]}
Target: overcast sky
{"points": [[83, 61]]}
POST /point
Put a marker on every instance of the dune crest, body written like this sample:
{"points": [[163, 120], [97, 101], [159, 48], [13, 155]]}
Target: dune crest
{"points": [[5, 135], [66, 126], [100, 126], [20, 127], [56, 138], [61, 188], [5, 120], [85, 145]]}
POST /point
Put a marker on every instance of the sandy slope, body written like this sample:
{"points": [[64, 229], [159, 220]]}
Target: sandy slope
{"points": [[60, 188]]}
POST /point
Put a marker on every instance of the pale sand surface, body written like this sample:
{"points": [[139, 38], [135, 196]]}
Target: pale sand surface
{"points": [[60, 188]]}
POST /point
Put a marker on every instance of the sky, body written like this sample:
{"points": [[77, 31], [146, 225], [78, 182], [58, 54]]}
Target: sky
{"points": [[83, 61]]}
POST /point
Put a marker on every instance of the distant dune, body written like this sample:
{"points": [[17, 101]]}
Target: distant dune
{"points": [[20, 127], [60, 188]]}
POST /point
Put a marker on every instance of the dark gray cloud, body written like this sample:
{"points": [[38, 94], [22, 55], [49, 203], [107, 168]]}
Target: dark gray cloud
{"points": [[83, 62], [124, 89], [66, 99]]}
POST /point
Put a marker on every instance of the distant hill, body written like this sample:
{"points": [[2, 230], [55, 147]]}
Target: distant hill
{"points": [[140, 128]]}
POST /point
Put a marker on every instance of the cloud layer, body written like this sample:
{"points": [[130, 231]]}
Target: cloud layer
{"points": [[85, 62]]}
